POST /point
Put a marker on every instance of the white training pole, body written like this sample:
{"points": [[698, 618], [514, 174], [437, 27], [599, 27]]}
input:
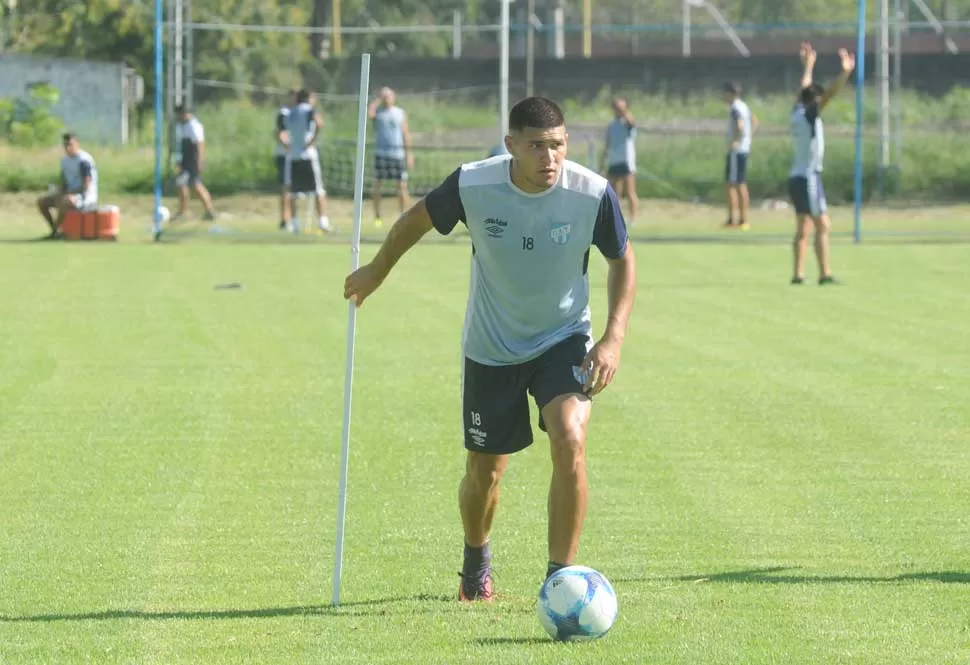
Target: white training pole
{"points": [[351, 320]]}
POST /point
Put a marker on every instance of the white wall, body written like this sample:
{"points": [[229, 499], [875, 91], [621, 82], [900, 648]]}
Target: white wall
{"points": [[92, 101]]}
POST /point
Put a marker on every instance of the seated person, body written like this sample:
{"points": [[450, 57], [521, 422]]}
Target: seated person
{"points": [[78, 189]]}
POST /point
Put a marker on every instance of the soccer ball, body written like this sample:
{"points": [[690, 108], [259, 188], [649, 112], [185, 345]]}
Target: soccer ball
{"points": [[577, 603], [163, 214]]}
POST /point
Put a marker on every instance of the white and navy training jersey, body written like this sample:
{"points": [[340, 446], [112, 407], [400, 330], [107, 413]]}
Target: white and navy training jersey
{"points": [[389, 132], [302, 126], [75, 169], [188, 136], [529, 288], [621, 139], [740, 111], [808, 136], [279, 150]]}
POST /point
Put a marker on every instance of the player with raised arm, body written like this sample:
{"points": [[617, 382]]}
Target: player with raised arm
{"points": [[280, 147], [619, 160], [301, 169], [533, 217], [805, 180], [741, 125], [393, 155]]}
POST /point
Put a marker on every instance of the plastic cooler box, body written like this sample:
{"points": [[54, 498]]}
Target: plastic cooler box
{"points": [[103, 223]]}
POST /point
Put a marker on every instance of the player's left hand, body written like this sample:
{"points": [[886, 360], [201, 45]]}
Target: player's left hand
{"points": [[602, 362], [848, 60]]}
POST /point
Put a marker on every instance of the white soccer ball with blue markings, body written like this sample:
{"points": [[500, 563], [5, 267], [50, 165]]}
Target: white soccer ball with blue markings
{"points": [[577, 603]]}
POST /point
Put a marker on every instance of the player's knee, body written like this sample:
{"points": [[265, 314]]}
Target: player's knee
{"points": [[569, 450], [822, 224], [484, 471]]}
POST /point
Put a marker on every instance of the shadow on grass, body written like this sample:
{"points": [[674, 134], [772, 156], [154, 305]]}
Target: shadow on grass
{"points": [[434, 604], [778, 575], [498, 641]]}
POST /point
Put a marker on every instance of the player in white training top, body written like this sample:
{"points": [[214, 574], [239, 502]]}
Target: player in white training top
{"points": [[282, 140], [190, 158], [805, 179], [533, 218], [78, 187], [301, 169], [393, 156], [741, 125], [620, 154]]}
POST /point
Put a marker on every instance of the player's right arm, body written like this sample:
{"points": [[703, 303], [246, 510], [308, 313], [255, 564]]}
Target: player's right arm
{"points": [[441, 209], [372, 108], [807, 55], [282, 136]]}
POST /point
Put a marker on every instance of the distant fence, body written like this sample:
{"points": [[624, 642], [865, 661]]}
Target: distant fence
{"points": [[931, 73]]}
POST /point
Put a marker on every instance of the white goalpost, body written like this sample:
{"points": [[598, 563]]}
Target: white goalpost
{"points": [[351, 323]]}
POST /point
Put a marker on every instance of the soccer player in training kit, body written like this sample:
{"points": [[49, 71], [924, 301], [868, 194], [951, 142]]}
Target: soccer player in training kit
{"points": [[301, 168], [190, 157], [392, 148], [741, 125], [533, 217], [805, 180], [279, 156], [620, 154], [78, 188]]}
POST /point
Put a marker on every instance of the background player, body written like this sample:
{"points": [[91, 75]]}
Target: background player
{"points": [[78, 187], [533, 217], [190, 157], [741, 125], [301, 170], [280, 147], [620, 154], [392, 148], [805, 180]]}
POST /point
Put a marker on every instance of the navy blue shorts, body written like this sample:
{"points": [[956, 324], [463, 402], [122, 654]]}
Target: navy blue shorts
{"points": [[280, 169], [736, 168], [495, 398], [188, 176], [618, 171], [807, 194], [390, 168]]}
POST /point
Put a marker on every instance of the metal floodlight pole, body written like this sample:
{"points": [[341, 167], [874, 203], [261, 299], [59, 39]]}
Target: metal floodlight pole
{"points": [[530, 47], [503, 72], [685, 28]]}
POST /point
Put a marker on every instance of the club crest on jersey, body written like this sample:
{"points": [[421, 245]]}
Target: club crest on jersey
{"points": [[560, 233]]}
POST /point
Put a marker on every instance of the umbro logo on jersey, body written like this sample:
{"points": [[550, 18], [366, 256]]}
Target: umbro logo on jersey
{"points": [[495, 227]]}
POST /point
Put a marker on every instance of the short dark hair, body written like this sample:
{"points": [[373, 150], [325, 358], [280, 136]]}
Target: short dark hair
{"points": [[67, 136], [811, 92], [182, 108], [536, 112], [733, 88], [303, 96]]}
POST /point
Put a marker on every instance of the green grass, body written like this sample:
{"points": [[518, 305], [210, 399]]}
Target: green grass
{"points": [[779, 474]]}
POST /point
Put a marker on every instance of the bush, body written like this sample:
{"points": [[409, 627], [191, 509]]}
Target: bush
{"points": [[30, 122]]}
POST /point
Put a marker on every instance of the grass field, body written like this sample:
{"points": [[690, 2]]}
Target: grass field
{"points": [[779, 474]]}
